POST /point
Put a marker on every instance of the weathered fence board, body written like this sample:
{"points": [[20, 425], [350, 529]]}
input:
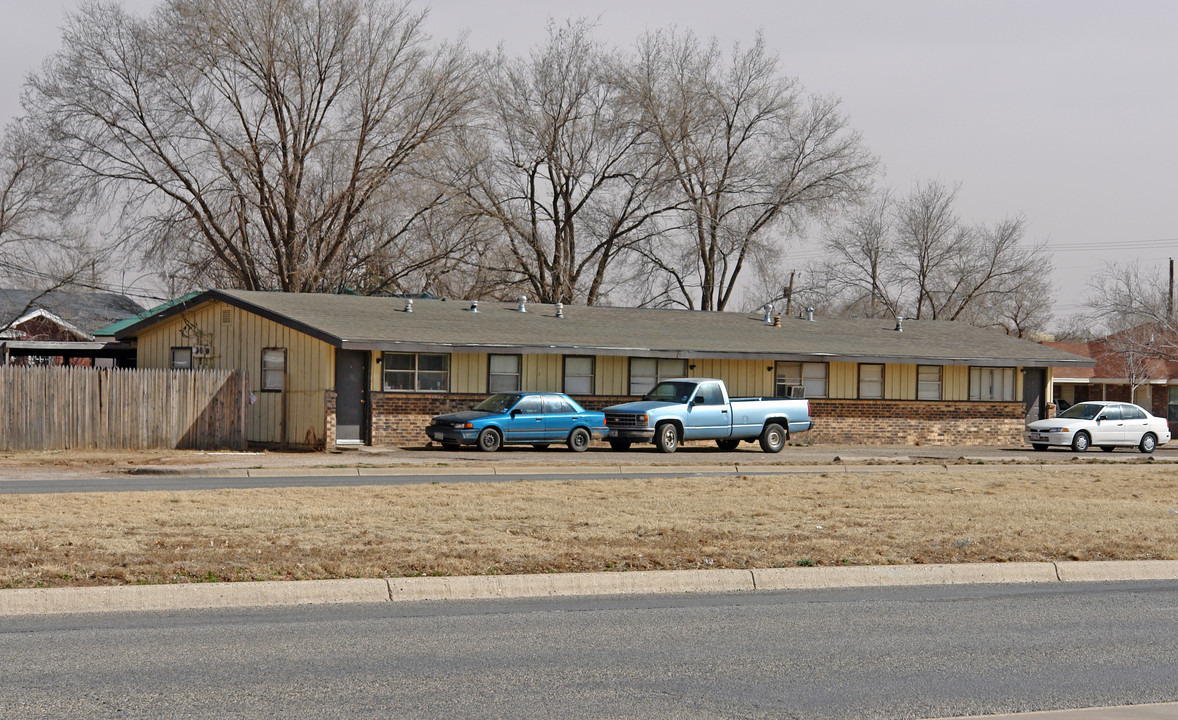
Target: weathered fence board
{"points": [[66, 408]]}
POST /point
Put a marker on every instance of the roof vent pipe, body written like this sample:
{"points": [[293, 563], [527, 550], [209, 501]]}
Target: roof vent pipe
{"points": [[409, 305], [776, 321], [560, 310], [810, 314], [523, 299], [474, 305], [768, 313], [899, 324]]}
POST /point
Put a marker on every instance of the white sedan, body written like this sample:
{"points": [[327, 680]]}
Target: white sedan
{"points": [[1107, 425]]}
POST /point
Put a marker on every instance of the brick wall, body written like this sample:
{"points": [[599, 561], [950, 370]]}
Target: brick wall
{"points": [[912, 422], [401, 419]]}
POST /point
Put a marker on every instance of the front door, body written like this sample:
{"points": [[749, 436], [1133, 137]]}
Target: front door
{"points": [[1034, 395], [351, 396]]}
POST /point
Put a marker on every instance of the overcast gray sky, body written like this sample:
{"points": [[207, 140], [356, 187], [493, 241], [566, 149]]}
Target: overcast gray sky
{"points": [[1064, 111]]}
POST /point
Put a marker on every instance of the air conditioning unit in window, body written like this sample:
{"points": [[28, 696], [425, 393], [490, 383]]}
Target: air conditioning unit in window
{"points": [[797, 391]]}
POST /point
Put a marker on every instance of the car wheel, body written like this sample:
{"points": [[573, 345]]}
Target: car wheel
{"points": [[1081, 442], [579, 440], [490, 440], [773, 438], [1148, 442], [1039, 446], [619, 444], [666, 437], [1107, 448], [540, 446], [728, 444]]}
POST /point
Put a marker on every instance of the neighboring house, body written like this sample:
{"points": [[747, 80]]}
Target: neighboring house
{"points": [[1114, 371], [62, 327], [340, 369]]}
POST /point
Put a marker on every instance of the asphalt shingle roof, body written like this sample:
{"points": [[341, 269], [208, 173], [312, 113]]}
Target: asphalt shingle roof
{"points": [[87, 311], [381, 323]]}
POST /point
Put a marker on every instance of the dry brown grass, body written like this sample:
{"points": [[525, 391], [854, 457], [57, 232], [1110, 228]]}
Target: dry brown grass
{"points": [[907, 515]]}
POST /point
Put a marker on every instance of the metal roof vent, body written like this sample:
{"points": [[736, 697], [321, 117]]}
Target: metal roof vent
{"points": [[409, 305], [810, 314], [560, 310], [768, 313], [523, 300], [474, 306], [899, 324]]}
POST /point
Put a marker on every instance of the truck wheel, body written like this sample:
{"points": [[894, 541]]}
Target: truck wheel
{"points": [[619, 444], [666, 437], [489, 440], [773, 438], [728, 444], [579, 440]]}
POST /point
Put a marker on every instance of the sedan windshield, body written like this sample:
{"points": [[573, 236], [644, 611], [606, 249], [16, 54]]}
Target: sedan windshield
{"points": [[676, 392], [1083, 411], [497, 403]]}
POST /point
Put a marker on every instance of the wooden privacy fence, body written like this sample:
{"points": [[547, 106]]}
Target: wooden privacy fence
{"points": [[65, 408]]}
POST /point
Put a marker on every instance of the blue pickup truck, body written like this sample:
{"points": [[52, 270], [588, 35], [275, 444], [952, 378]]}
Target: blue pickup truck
{"points": [[700, 409]]}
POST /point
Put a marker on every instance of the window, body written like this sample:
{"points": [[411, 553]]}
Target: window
{"points": [[578, 375], [181, 358], [530, 405], [1112, 412], [423, 372], [871, 382], [556, 405], [991, 383], [928, 382], [709, 394], [273, 369], [503, 373], [1131, 413], [645, 373], [811, 376]]}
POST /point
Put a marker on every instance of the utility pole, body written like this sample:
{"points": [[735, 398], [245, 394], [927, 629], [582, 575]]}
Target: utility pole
{"points": [[789, 293], [1170, 297]]}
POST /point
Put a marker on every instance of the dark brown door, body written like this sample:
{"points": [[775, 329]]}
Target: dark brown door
{"points": [[1034, 397], [351, 402]]}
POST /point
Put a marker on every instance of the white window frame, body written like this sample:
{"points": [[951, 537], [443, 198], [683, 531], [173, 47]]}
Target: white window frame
{"points": [[579, 377], [504, 379], [183, 365], [874, 386], [663, 369], [416, 372], [925, 386], [273, 369], [992, 384], [814, 377]]}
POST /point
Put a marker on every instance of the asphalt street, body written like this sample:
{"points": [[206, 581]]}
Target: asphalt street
{"points": [[857, 653]]}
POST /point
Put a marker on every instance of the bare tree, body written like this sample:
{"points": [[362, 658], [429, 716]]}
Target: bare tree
{"points": [[1128, 296], [559, 169], [915, 257], [39, 248], [256, 142], [750, 156]]}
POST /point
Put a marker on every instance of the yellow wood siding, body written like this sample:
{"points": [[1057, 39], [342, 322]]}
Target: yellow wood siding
{"points": [[955, 382], [542, 373], [611, 373], [899, 382], [238, 344], [842, 380], [744, 378]]}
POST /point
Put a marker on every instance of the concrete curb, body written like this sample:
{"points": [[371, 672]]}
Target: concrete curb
{"points": [[135, 598]]}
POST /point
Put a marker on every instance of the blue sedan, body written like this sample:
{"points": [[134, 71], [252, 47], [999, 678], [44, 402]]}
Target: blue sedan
{"points": [[537, 419]]}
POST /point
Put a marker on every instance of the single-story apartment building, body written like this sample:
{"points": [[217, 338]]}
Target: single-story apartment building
{"points": [[328, 370]]}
